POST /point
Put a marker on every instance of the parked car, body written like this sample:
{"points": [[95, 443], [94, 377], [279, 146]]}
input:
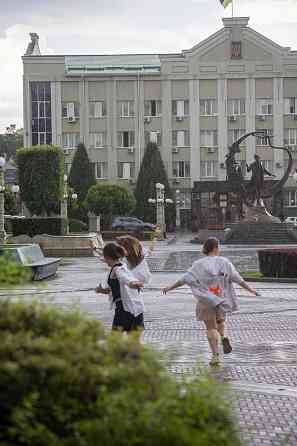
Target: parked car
{"points": [[131, 224], [291, 220]]}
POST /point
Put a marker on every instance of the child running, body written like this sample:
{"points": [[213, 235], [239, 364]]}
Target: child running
{"points": [[135, 256], [124, 289], [211, 280]]}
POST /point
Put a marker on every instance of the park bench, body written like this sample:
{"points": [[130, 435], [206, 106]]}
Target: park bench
{"points": [[31, 256]]}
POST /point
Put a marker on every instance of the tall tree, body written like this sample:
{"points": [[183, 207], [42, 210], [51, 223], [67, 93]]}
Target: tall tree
{"points": [[82, 175], [152, 171], [11, 141]]}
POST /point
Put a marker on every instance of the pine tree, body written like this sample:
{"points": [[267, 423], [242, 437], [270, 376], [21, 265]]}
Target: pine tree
{"points": [[152, 171], [82, 175]]}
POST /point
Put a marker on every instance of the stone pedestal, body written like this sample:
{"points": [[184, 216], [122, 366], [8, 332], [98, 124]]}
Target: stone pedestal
{"points": [[258, 214]]}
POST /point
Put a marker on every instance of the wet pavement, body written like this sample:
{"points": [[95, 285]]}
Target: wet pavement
{"points": [[261, 370]]}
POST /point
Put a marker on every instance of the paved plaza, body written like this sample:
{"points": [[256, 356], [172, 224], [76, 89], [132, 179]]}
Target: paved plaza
{"points": [[262, 370]]}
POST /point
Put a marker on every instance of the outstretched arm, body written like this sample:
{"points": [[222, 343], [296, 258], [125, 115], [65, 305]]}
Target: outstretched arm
{"points": [[177, 284], [251, 290]]}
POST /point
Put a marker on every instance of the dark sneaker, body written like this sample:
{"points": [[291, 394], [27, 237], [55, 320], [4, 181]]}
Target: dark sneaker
{"points": [[227, 348]]}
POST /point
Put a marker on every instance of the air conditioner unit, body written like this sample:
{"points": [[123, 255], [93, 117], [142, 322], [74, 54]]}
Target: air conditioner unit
{"points": [[232, 118], [179, 118], [175, 150], [278, 165], [222, 166], [67, 151], [211, 150], [71, 119], [147, 119], [131, 149], [176, 181]]}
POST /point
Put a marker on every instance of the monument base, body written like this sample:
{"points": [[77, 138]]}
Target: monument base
{"points": [[268, 233], [258, 214]]}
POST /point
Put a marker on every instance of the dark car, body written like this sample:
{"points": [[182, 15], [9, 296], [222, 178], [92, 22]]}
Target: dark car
{"points": [[131, 224]]}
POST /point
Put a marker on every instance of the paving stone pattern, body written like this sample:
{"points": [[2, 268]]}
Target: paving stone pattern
{"points": [[261, 371]]}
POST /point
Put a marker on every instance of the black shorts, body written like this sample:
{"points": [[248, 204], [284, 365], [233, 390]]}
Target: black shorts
{"points": [[125, 321]]}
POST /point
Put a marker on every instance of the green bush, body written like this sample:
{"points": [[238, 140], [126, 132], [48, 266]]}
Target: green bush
{"points": [[10, 203], [65, 382], [38, 225], [41, 170], [77, 226], [109, 200], [11, 273]]}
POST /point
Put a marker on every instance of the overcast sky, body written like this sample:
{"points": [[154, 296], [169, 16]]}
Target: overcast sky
{"points": [[123, 26]]}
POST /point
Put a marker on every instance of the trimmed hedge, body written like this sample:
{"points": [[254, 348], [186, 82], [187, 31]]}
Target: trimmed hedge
{"points": [[38, 225], [41, 170], [65, 381], [278, 262], [77, 226]]}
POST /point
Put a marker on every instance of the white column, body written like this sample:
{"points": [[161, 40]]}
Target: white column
{"points": [[56, 113], [250, 112], [112, 129], [278, 124], [167, 127], [86, 115], [27, 113], [222, 126], [82, 111], [139, 124], [194, 130]]}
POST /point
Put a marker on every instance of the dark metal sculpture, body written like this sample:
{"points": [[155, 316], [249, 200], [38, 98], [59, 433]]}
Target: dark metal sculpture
{"points": [[254, 191]]}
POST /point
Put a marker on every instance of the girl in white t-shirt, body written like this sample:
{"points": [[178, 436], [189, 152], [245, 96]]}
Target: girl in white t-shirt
{"points": [[136, 258]]}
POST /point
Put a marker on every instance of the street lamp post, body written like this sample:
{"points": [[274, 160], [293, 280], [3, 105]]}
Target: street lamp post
{"points": [[15, 188], [64, 204], [160, 203], [177, 211], [2, 202]]}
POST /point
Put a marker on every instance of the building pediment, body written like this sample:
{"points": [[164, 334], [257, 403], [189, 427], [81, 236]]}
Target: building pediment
{"points": [[253, 45]]}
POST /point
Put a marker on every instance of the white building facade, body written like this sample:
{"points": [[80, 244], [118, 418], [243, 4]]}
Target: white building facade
{"points": [[192, 104]]}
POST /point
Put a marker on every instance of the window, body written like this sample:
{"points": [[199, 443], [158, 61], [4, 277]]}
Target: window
{"points": [[264, 106], [262, 141], [41, 113], [101, 170], [290, 138], [292, 198], [152, 108], [291, 106], [234, 135], [185, 200], [209, 169], [70, 110], [153, 136], [180, 107], [70, 140], [208, 107], [97, 109], [181, 169], [181, 138], [126, 109], [208, 138], [126, 170], [126, 138], [98, 140], [236, 107]]}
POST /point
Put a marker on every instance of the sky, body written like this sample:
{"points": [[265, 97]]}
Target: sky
{"points": [[121, 26]]}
